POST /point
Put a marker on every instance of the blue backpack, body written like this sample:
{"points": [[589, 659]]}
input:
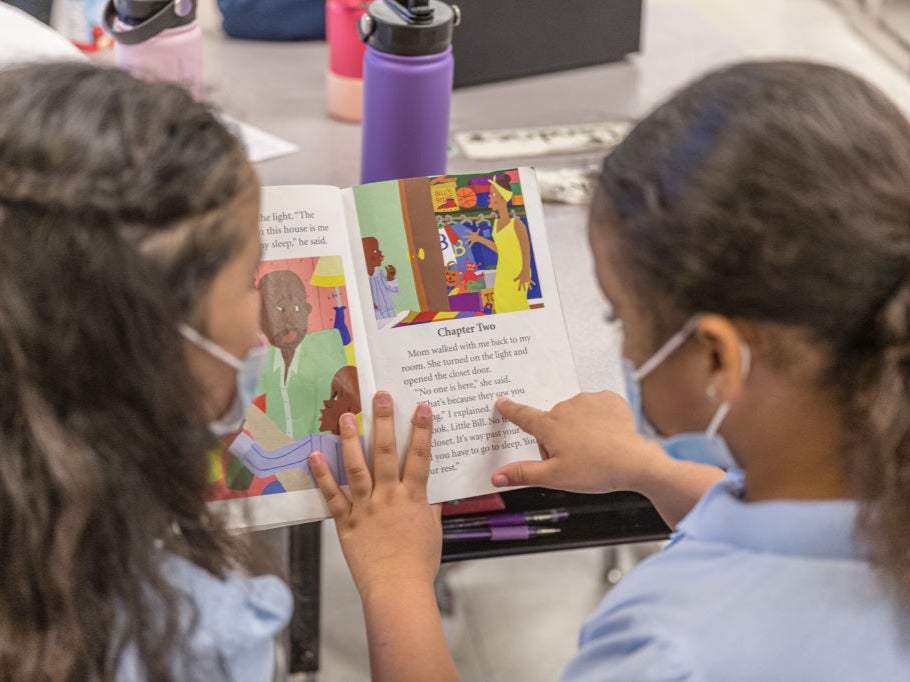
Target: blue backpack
{"points": [[274, 19]]}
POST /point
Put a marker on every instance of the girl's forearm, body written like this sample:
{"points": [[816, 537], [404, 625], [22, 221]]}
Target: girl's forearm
{"points": [[674, 486], [405, 636]]}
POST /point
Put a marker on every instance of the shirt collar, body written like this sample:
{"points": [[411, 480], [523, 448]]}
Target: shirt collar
{"points": [[278, 357], [806, 528]]}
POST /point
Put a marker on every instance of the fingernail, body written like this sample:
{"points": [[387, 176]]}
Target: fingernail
{"points": [[317, 459], [501, 399], [349, 420], [383, 398], [500, 480], [423, 410]]}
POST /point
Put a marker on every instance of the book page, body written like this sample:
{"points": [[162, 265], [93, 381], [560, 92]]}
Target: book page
{"points": [[315, 368], [461, 306]]}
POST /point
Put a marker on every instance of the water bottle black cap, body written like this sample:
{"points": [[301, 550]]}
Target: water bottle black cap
{"points": [[146, 18], [409, 28], [136, 11]]}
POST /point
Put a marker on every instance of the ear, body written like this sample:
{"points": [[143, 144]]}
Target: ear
{"points": [[730, 355]]}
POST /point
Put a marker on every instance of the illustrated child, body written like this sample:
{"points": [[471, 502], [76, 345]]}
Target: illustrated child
{"points": [[382, 282], [753, 237], [298, 369], [345, 398], [513, 247]]}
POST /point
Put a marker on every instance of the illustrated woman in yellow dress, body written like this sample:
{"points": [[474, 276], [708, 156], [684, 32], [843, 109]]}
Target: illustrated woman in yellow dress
{"points": [[513, 247]]}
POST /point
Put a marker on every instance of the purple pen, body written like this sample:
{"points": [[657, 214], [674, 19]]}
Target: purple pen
{"points": [[507, 519], [499, 533]]}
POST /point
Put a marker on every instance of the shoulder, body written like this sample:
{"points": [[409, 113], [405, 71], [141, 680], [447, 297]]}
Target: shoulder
{"points": [[712, 607], [238, 616], [626, 641]]}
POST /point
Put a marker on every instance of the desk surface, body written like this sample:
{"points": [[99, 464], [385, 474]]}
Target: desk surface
{"points": [[280, 88]]}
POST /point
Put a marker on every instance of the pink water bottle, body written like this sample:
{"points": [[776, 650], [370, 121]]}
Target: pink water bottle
{"points": [[407, 88], [157, 40], [344, 81]]}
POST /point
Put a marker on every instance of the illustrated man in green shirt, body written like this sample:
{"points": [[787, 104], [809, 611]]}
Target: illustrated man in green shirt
{"points": [[298, 369]]}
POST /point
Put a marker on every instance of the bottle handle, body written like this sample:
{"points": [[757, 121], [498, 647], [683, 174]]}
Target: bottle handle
{"points": [[175, 13], [366, 25]]}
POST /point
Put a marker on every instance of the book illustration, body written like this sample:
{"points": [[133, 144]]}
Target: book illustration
{"points": [[344, 397], [457, 246], [365, 287], [308, 380], [383, 281]]}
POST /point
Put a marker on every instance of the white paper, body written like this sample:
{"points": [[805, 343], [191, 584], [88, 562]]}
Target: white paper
{"points": [[260, 145]]}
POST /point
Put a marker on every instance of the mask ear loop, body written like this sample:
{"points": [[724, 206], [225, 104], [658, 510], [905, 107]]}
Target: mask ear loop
{"points": [[667, 349], [208, 345], [724, 408]]}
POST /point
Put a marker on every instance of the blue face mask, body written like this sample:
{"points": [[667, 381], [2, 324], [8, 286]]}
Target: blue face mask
{"points": [[704, 447], [248, 371]]}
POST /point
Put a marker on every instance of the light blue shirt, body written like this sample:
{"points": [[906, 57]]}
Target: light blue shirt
{"points": [[380, 288], [239, 618], [750, 592]]}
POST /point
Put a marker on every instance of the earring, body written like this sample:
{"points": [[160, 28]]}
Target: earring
{"points": [[711, 393]]}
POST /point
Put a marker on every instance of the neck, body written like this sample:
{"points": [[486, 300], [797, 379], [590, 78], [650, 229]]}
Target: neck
{"points": [[503, 212], [794, 450], [821, 484]]}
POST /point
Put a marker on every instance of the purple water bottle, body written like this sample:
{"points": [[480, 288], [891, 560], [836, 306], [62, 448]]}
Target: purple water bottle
{"points": [[157, 40], [407, 87]]}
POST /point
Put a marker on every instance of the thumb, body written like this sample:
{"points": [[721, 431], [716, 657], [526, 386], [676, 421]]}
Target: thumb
{"points": [[527, 472]]}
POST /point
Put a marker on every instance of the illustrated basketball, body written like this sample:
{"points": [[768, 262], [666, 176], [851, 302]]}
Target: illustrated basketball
{"points": [[466, 197]]}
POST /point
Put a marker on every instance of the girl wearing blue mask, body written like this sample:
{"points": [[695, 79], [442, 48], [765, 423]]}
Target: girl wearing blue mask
{"points": [[129, 322], [753, 237]]}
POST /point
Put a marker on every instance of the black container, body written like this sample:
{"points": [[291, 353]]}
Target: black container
{"points": [[502, 39]]}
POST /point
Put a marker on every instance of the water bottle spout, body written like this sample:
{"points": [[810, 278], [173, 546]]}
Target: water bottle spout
{"points": [[413, 11]]}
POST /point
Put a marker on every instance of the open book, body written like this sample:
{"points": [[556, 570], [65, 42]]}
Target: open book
{"points": [[438, 290]]}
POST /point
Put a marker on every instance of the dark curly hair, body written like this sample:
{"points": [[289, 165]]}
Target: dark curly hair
{"points": [[778, 192], [114, 196]]}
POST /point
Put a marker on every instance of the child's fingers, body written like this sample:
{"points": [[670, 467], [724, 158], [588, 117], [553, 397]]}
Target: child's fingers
{"points": [[417, 461], [355, 466], [335, 499], [528, 418], [385, 451]]}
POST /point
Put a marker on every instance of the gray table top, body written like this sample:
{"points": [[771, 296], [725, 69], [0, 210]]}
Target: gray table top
{"points": [[280, 88]]}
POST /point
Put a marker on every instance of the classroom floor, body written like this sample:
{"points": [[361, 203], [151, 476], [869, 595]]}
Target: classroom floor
{"points": [[520, 616]]}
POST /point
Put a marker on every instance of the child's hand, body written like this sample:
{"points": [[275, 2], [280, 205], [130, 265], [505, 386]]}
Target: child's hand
{"points": [[588, 444], [390, 535]]}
